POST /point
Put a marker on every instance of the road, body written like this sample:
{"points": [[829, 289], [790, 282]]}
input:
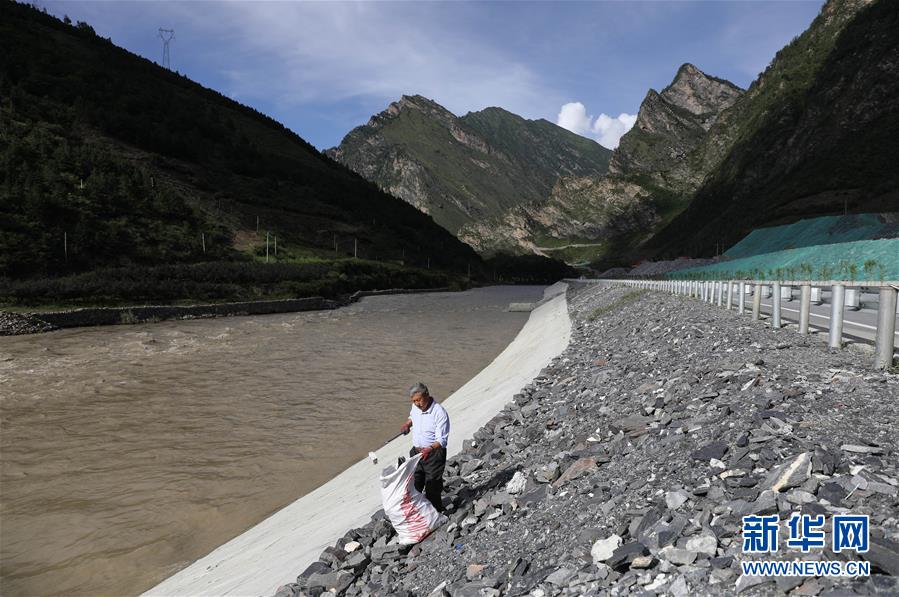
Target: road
{"points": [[859, 324]]}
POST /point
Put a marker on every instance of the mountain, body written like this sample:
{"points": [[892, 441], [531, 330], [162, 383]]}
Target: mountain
{"points": [[111, 161], [601, 217], [467, 170], [670, 125], [816, 134]]}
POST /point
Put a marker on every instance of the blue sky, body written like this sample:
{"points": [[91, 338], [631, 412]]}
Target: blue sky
{"points": [[322, 68]]}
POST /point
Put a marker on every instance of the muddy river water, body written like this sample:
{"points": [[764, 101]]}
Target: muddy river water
{"points": [[128, 452]]}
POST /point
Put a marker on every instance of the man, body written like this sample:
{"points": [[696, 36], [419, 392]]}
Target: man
{"points": [[430, 427]]}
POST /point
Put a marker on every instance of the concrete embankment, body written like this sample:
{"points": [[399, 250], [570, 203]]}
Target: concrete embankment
{"points": [[33, 323], [627, 465], [268, 555]]}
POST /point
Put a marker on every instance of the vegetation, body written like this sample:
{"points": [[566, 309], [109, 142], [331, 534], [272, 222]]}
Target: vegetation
{"points": [[628, 297], [871, 260], [800, 145], [470, 168], [219, 281], [115, 166]]}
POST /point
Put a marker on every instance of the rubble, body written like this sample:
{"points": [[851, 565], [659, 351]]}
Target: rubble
{"points": [[627, 465]]}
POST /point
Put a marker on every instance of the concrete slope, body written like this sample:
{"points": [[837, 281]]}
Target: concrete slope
{"points": [[273, 552]]}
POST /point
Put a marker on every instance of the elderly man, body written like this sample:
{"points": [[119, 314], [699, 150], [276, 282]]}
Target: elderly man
{"points": [[430, 427]]}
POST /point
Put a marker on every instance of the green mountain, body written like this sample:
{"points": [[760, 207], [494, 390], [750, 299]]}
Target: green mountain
{"points": [[111, 162], [816, 134], [465, 171]]}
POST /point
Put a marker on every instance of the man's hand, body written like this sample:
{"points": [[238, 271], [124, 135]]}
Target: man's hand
{"points": [[406, 427], [425, 452]]}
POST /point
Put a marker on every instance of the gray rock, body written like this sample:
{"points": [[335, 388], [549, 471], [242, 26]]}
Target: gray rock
{"points": [[715, 450], [603, 549], [561, 576], [792, 473], [676, 499], [706, 544]]}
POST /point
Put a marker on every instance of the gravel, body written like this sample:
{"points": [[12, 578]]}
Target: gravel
{"points": [[626, 465]]}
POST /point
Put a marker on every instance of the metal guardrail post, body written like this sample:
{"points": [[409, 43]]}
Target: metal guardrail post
{"points": [[805, 305], [837, 300], [775, 306], [817, 296], [730, 294], [886, 328], [853, 300], [741, 298], [720, 293], [757, 302]]}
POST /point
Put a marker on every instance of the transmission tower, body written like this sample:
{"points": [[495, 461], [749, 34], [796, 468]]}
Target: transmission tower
{"points": [[166, 35]]}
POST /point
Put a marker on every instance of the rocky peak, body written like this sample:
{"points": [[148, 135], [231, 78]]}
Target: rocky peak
{"points": [[418, 103], [699, 93], [670, 125]]}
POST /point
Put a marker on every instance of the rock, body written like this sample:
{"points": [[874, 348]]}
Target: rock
{"points": [[858, 449], [291, 590], [625, 555], [357, 562], [561, 576], [473, 571], [884, 554], [388, 552], [517, 484], [578, 468], [603, 549], [707, 544], [746, 582], [334, 581], [470, 467], [797, 496], [352, 546], [313, 568], [642, 562], [790, 474], [634, 426], [679, 587], [715, 450], [678, 556], [548, 473], [676, 499]]}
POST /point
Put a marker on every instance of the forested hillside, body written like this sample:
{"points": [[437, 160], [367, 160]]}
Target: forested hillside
{"points": [[110, 161]]}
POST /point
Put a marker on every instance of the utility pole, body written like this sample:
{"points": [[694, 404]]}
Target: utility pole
{"points": [[266, 247], [355, 248], [166, 35], [65, 245], [257, 224], [276, 248]]}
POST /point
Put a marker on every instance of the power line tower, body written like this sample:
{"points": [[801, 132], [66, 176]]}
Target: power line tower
{"points": [[166, 35]]}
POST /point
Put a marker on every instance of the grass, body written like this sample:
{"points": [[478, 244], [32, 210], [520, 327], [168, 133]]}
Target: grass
{"points": [[623, 300]]}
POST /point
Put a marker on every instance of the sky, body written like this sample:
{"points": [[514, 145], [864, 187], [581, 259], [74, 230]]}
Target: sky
{"points": [[322, 68]]}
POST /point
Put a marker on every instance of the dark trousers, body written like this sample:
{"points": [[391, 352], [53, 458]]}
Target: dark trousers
{"points": [[429, 476]]}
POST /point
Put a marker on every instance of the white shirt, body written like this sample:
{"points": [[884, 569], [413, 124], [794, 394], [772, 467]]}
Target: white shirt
{"points": [[429, 426]]}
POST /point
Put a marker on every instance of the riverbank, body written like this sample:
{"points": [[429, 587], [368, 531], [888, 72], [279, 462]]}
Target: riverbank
{"points": [[627, 465], [263, 558], [13, 324]]}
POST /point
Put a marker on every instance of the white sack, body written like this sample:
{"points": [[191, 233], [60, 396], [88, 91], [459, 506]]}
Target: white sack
{"points": [[412, 515]]}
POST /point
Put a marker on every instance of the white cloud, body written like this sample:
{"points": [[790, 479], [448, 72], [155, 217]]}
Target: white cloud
{"points": [[306, 52], [604, 129]]}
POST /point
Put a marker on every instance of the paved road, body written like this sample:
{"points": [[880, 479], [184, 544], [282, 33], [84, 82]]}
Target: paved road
{"points": [[860, 324]]}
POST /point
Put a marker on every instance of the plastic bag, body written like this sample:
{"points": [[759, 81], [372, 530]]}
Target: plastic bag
{"points": [[411, 514]]}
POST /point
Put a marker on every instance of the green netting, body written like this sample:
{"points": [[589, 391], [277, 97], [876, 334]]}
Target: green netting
{"points": [[825, 230], [864, 260]]}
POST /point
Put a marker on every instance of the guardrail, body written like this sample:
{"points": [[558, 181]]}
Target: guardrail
{"points": [[734, 294]]}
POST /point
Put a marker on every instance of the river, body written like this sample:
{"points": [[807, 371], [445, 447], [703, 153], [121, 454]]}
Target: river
{"points": [[128, 452]]}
